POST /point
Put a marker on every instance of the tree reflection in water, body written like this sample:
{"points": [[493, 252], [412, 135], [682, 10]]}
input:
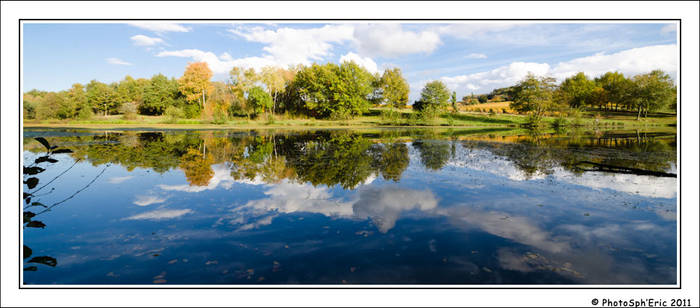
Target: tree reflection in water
{"points": [[348, 158]]}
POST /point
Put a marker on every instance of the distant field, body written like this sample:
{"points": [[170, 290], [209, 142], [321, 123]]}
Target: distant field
{"points": [[487, 107]]}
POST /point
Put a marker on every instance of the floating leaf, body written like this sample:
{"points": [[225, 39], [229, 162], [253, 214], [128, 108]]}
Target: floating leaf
{"points": [[44, 260], [31, 182], [36, 224], [27, 216], [27, 252], [59, 151], [43, 142], [33, 170], [45, 158], [30, 268]]}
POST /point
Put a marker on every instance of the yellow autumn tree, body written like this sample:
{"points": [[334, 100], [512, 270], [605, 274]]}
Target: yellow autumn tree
{"points": [[194, 83]]}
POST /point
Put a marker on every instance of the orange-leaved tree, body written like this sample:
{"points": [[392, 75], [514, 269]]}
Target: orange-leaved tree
{"points": [[194, 83]]}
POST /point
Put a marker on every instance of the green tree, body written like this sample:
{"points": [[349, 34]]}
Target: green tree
{"points": [[55, 105], [101, 97], [79, 101], [274, 80], [240, 81], [259, 99], [653, 91], [394, 88], [436, 93], [160, 93], [617, 88], [535, 95], [336, 91], [577, 90]]}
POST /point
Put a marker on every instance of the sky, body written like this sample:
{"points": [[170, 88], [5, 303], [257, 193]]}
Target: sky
{"points": [[471, 57]]}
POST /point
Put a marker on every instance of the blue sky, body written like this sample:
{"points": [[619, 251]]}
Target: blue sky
{"points": [[468, 57]]}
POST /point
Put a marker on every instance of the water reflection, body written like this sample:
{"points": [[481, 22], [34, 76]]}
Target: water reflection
{"points": [[386, 206]]}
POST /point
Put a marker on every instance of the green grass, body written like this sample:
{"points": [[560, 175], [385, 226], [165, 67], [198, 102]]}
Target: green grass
{"points": [[374, 118]]}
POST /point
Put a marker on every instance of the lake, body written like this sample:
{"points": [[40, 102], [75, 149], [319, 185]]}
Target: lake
{"points": [[376, 206]]}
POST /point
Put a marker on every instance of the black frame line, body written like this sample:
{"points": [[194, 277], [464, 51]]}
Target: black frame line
{"points": [[356, 287]]}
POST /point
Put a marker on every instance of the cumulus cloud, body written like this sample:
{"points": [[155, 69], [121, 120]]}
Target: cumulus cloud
{"points": [[383, 205], [220, 64], [391, 40], [142, 40], [117, 61], [629, 62], [496, 78], [160, 27], [519, 229], [159, 214], [289, 46], [365, 62], [148, 200]]}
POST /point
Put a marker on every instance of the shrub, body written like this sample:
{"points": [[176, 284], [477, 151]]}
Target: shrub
{"points": [[172, 114], [128, 110]]}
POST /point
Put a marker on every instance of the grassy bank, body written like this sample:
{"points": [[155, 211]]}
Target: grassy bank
{"points": [[374, 118]]}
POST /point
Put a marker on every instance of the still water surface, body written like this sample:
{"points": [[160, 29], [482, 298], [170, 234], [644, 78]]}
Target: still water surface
{"points": [[355, 207]]}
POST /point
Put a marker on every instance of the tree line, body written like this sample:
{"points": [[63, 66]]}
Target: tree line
{"points": [[612, 91], [337, 91]]}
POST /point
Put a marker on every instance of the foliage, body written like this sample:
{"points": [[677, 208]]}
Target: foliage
{"points": [[436, 93], [577, 91], [158, 94], [194, 83], [102, 97], [394, 88], [259, 100], [173, 113], [653, 91], [535, 96], [330, 90]]}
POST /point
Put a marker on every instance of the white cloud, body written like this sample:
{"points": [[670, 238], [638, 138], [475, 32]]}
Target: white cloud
{"points": [[289, 46], [365, 62], [117, 61], [383, 205], [119, 179], [220, 64], [520, 229], [499, 77], [669, 28], [148, 200], [160, 27], [391, 40], [629, 62], [142, 40], [476, 56], [160, 214]]}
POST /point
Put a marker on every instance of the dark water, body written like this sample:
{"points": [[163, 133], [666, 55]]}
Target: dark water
{"points": [[356, 207]]}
